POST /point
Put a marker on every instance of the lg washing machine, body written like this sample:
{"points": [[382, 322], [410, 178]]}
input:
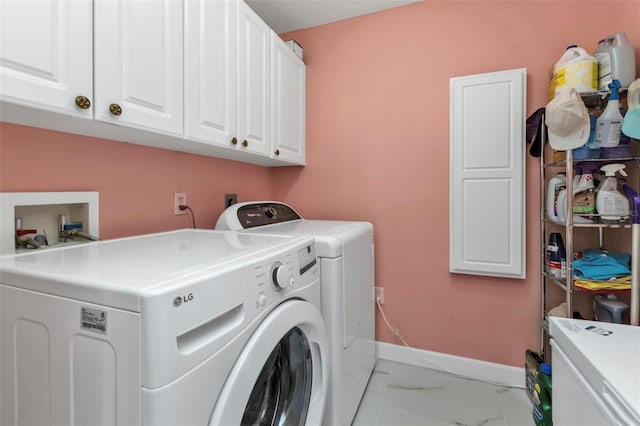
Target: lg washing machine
{"points": [[345, 253], [190, 327]]}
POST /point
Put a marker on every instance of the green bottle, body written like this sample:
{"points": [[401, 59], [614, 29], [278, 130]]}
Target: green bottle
{"points": [[542, 396]]}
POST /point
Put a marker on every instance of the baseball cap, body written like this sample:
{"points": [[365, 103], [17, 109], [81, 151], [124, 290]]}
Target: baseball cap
{"points": [[631, 122], [534, 131], [567, 119]]}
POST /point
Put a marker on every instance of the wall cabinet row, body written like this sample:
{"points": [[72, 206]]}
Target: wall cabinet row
{"points": [[201, 76]]}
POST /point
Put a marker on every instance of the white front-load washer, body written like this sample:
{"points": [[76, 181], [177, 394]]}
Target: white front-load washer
{"points": [[345, 251], [190, 327]]}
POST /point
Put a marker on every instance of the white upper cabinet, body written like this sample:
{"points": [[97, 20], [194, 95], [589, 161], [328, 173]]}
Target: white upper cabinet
{"points": [[254, 81], [288, 103], [46, 55], [186, 75], [487, 174], [210, 72], [138, 64]]}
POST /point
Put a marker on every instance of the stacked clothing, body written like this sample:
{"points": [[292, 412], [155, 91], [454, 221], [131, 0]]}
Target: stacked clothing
{"points": [[602, 270]]}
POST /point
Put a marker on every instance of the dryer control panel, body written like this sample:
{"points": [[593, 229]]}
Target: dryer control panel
{"points": [[268, 213]]}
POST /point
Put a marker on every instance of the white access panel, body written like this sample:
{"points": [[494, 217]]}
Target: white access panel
{"points": [[487, 174]]}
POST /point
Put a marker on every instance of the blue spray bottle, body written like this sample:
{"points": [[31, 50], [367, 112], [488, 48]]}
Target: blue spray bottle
{"points": [[609, 124]]}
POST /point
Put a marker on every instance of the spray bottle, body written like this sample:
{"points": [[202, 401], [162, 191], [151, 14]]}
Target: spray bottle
{"points": [[611, 203], [609, 124]]}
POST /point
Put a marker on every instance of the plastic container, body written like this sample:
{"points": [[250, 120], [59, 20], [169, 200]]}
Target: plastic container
{"points": [[612, 310], [616, 60], [542, 414], [556, 258], [556, 184], [577, 69]]}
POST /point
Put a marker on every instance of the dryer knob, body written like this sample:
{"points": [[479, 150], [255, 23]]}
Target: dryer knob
{"points": [[280, 276]]}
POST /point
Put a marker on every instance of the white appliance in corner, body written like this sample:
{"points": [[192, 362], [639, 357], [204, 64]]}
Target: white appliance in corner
{"points": [[190, 327], [345, 251], [596, 373]]}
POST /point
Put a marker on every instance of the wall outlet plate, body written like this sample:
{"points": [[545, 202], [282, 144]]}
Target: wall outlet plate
{"points": [[230, 199], [179, 199], [379, 295]]}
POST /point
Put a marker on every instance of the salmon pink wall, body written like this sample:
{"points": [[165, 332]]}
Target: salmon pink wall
{"points": [[136, 183], [378, 150]]}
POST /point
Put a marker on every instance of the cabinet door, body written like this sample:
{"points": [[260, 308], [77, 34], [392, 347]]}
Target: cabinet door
{"points": [[487, 172], [46, 54], [210, 71], [288, 103], [138, 64], [254, 80]]}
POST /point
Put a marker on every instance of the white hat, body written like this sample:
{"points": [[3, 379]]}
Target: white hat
{"points": [[567, 120]]}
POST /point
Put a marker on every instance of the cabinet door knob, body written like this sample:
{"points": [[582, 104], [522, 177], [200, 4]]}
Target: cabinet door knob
{"points": [[115, 109], [245, 143], [277, 152], [234, 141], [83, 102]]}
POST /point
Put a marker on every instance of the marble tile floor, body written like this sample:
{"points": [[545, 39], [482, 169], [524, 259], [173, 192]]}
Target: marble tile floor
{"points": [[406, 395]]}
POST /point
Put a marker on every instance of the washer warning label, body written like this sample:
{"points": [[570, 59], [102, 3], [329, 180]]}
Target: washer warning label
{"points": [[93, 319]]}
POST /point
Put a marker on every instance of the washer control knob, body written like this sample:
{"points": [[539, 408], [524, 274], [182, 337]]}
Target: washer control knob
{"points": [[280, 276], [262, 300]]}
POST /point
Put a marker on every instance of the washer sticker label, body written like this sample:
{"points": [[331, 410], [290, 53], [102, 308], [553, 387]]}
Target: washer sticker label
{"points": [[93, 319], [598, 330]]}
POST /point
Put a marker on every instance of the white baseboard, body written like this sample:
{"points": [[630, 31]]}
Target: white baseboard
{"points": [[500, 374]]}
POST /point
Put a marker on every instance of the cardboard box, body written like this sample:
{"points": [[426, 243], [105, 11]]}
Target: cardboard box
{"points": [[531, 368], [297, 49]]}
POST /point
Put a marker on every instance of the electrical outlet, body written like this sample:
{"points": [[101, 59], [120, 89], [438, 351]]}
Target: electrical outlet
{"points": [[379, 294], [179, 199], [230, 199]]}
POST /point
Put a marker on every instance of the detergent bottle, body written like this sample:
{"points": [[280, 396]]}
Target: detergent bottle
{"points": [[616, 60], [561, 201], [556, 184], [611, 203], [542, 414], [609, 124]]}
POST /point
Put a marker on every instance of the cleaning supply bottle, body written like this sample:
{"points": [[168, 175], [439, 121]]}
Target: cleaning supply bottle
{"points": [[542, 397], [611, 203], [561, 204], [556, 184], [556, 257], [609, 124], [616, 60]]}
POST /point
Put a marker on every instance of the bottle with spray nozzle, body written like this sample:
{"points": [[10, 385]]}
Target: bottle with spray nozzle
{"points": [[609, 124], [611, 204]]}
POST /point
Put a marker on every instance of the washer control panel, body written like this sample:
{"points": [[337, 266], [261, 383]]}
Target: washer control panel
{"points": [[282, 274]]}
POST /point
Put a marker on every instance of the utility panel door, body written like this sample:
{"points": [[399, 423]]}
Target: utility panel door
{"points": [[487, 174]]}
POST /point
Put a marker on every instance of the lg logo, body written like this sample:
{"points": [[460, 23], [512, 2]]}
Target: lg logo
{"points": [[178, 301]]}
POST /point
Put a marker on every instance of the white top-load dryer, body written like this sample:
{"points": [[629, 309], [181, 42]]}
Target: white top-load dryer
{"points": [[189, 327], [345, 251]]}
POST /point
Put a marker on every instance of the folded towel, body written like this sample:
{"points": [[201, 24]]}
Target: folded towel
{"points": [[599, 267]]}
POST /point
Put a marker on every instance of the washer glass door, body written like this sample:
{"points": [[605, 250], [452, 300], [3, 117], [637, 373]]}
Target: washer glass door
{"points": [[282, 391]]}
